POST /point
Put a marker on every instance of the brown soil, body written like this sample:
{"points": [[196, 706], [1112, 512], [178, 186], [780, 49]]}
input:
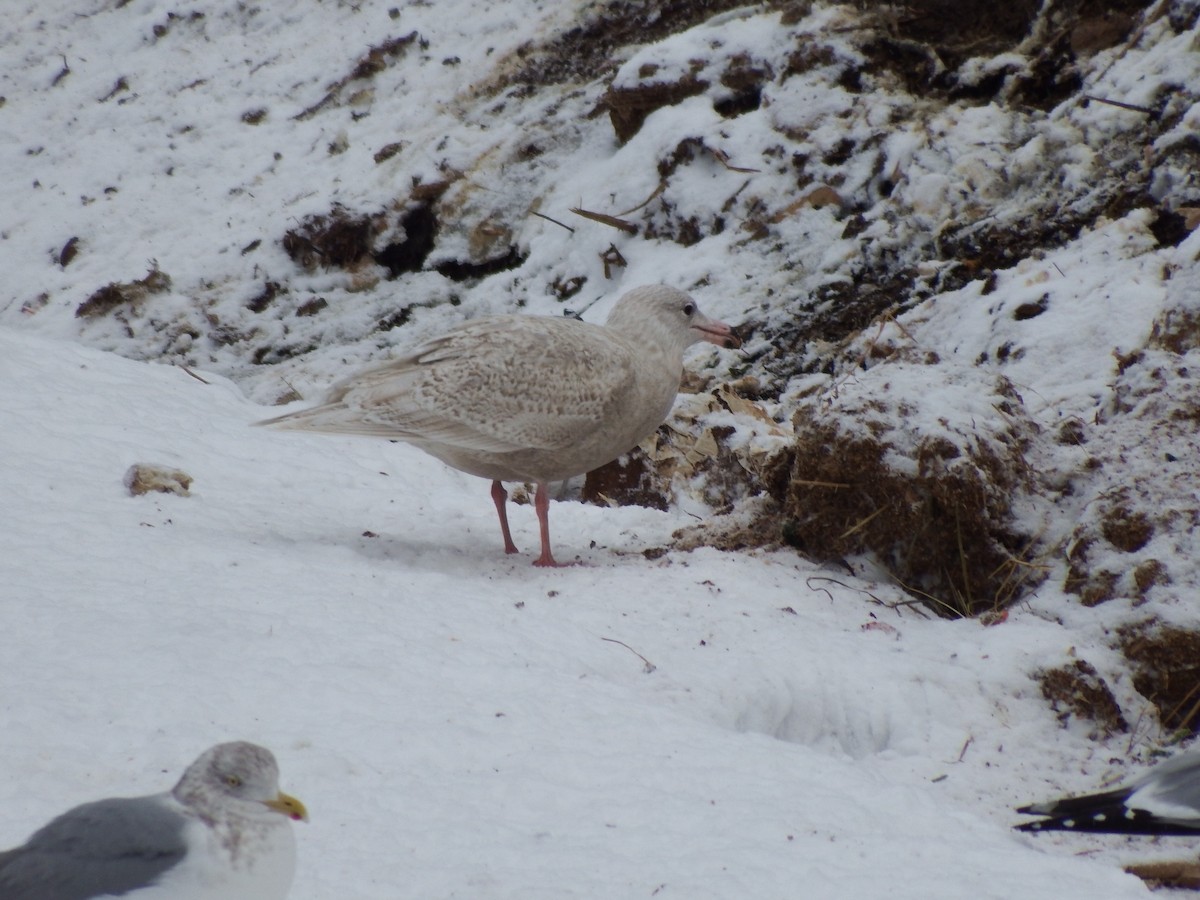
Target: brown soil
{"points": [[122, 295], [586, 52], [1166, 662], [1078, 690]]}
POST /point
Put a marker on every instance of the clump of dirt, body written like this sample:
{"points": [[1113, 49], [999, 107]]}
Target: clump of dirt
{"points": [[1094, 574], [1078, 690], [1177, 331], [933, 503], [121, 295], [862, 472], [927, 45], [743, 78], [629, 107], [458, 270], [1092, 584], [265, 297], [586, 52], [311, 307], [1126, 529], [68, 252], [1166, 662], [340, 239], [1148, 574], [956, 29], [334, 240], [1118, 545]]}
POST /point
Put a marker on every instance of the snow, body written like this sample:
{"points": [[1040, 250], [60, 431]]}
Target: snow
{"points": [[460, 723], [698, 724]]}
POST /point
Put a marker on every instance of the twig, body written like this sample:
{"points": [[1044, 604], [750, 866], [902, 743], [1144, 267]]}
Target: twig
{"points": [[662, 186], [893, 605], [193, 374], [555, 221], [1130, 106], [648, 668], [627, 227], [963, 752], [723, 158], [861, 523], [612, 257], [63, 73], [572, 313]]}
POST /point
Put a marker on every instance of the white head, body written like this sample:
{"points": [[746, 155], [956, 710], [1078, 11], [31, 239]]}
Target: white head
{"points": [[670, 317], [236, 779]]}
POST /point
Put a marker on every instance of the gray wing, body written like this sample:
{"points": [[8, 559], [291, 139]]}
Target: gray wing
{"points": [[1176, 781], [99, 849]]}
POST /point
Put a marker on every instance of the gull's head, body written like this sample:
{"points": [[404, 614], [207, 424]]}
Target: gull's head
{"points": [[670, 317], [237, 778]]}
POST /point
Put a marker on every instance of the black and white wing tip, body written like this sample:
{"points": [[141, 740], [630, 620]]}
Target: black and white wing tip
{"points": [[1164, 801]]}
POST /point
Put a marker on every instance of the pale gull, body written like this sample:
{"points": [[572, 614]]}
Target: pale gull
{"points": [[527, 398], [223, 833], [1166, 800]]}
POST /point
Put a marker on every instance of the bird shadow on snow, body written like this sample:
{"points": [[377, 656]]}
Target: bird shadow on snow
{"points": [[471, 552]]}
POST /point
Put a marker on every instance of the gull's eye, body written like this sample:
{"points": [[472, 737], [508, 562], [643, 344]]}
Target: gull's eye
{"points": [[233, 781], [689, 309]]}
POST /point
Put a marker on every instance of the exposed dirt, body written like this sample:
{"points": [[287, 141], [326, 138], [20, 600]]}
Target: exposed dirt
{"points": [[628, 480], [338, 239], [935, 509], [946, 533], [1181, 875], [118, 296], [587, 52], [629, 107], [1166, 662], [689, 449], [1078, 690]]}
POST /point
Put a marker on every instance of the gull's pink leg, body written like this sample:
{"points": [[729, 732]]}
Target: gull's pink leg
{"points": [[541, 503], [500, 498]]}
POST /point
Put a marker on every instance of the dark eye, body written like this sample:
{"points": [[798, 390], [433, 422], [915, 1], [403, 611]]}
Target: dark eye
{"points": [[233, 781], [689, 309]]}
